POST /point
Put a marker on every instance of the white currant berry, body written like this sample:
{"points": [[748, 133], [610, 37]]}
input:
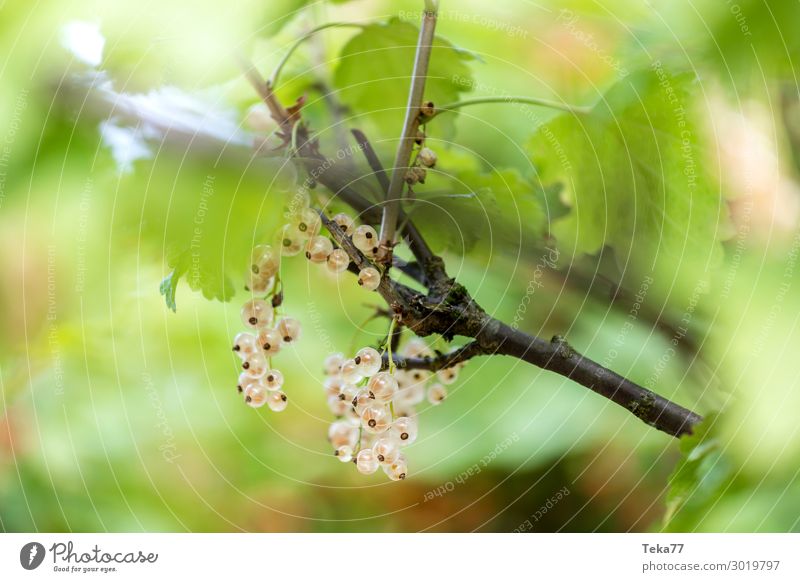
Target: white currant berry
{"points": [[376, 419], [338, 261], [245, 344], [333, 364], [290, 240], [277, 401], [269, 340], [416, 348], [350, 372], [264, 261], [255, 395], [345, 223], [344, 453], [361, 400], [368, 361], [254, 366], [365, 238], [386, 449], [290, 329], [383, 386], [340, 434], [273, 379], [369, 278], [398, 470], [411, 177], [337, 406], [404, 429], [259, 119], [402, 409], [366, 462], [427, 157], [418, 376], [437, 393], [259, 284], [448, 375], [410, 395], [257, 314], [318, 249], [308, 222], [348, 392], [334, 385], [246, 382]]}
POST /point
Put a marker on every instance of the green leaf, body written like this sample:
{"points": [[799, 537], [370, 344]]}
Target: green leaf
{"points": [[374, 73], [633, 174]]}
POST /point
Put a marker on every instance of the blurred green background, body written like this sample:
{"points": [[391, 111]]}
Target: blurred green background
{"points": [[119, 415]]}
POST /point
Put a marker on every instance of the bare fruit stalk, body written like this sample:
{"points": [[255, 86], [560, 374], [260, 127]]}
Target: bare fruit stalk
{"points": [[402, 159]]}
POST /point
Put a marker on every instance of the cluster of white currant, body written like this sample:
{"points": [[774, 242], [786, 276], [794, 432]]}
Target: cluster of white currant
{"points": [[376, 410], [303, 233], [425, 158], [259, 383]]}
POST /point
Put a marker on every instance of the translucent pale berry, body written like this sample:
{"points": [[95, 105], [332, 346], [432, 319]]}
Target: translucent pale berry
{"points": [[344, 454], [418, 376], [245, 344], [277, 401], [404, 429], [427, 157], [350, 372], [366, 462], [344, 222], [369, 278], [273, 379], [383, 386], [333, 364], [308, 222], [361, 400], [341, 433], [255, 395], [337, 406], [365, 238], [338, 261], [269, 340], [259, 284], [257, 314], [246, 382], [333, 385], [290, 240], [386, 449], [410, 396], [290, 329], [448, 375], [318, 249], [368, 361], [398, 470], [437, 393], [254, 366], [416, 348], [376, 419], [264, 261], [348, 392]]}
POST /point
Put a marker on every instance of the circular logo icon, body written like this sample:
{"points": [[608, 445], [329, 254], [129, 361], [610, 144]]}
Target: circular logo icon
{"points": [[31, 555]]}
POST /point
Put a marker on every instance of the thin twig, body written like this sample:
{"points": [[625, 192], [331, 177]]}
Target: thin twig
{"points": [[577, 109]]}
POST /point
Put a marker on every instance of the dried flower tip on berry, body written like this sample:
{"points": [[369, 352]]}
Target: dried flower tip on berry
{"points": [[289, 329], [257, 314], [427, 109], [338, 261], [345, 223], [369, 361], [318, 249], [277, 401], [427, 157], [255, 396], [245, 344], [437, 393], [269, 340], [366, 462], [369, 278], [365, 238]]}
